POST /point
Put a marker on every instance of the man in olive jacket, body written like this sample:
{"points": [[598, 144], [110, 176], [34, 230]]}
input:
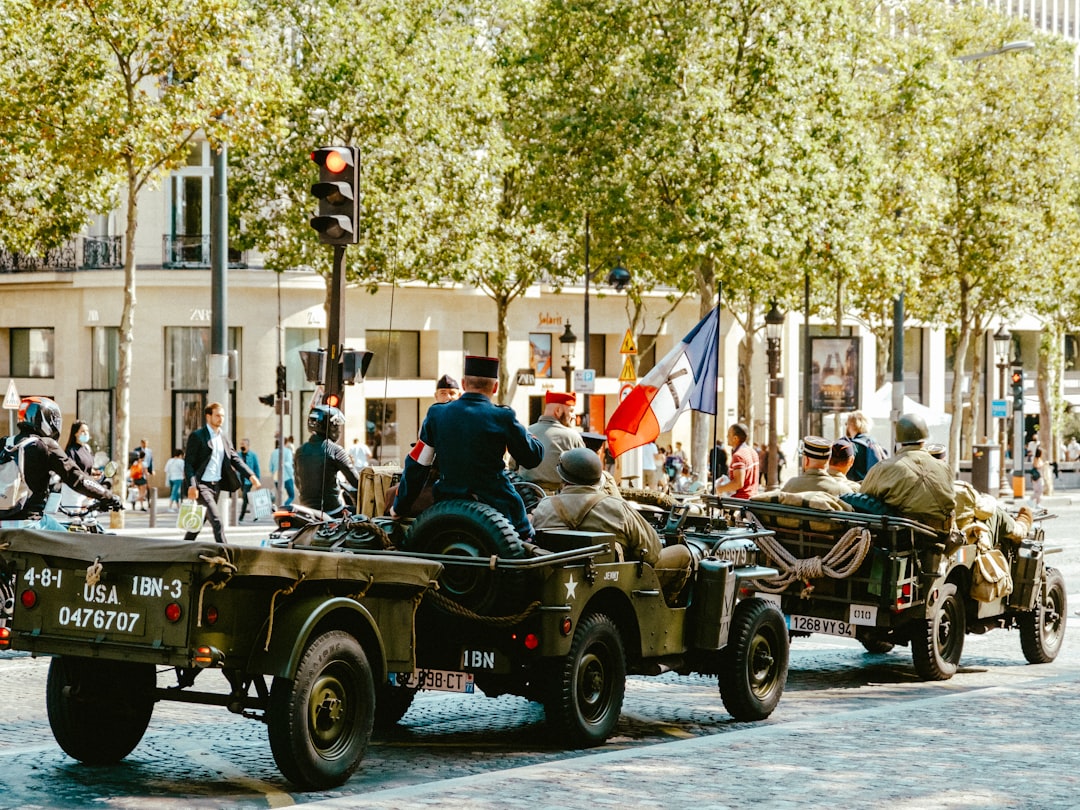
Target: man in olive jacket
{"points": [[212, 465]]}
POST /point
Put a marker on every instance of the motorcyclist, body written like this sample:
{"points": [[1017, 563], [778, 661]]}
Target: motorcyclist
{"points": [[319, 460], [39, 423]]}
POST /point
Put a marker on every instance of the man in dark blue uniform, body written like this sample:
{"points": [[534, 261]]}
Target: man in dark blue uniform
{"points": [[470, 436]]}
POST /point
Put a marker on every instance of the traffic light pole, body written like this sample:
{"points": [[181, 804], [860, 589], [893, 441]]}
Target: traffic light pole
{"points": [[336, 326]]}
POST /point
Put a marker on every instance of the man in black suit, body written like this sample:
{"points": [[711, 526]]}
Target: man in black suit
{"points": [[211, 465]]}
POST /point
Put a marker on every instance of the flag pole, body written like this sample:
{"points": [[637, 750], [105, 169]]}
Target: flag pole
{"points": [[716, 384]]}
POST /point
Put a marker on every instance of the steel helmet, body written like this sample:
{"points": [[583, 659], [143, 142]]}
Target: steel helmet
{"points": [[580, 466], [327, 421], [40, 415], [911, 429]]}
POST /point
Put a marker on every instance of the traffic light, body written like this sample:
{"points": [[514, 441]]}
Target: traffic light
{"points": [[333, 400], [1018, 389], [281, 386], [314, 365], [338, 194], [354, 364]]}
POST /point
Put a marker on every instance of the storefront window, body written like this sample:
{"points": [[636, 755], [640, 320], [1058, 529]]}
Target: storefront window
{"points": [[187, 355], [397, 354], [31, 352]]}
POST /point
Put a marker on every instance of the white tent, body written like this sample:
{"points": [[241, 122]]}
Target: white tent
{"points": [[878, 407]]}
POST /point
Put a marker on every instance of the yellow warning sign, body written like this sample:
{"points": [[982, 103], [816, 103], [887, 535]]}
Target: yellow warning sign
{"points": [[628, 345], [628, 374]]}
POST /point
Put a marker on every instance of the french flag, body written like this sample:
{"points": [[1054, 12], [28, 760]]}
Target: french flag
{"points": [[685, 378]]}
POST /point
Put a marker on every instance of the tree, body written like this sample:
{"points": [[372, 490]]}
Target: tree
{"points": [[119, 90]]}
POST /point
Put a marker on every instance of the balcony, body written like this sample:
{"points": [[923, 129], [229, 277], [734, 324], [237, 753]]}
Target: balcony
{"points": [[83, 253], [192, 251]]}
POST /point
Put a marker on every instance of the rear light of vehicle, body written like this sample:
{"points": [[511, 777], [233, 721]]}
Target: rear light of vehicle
{"points": [[206, 657], [905, 596], [531, 641], [5, 638], [566, 625], [28, 598], [173, 612], [211, 615]]}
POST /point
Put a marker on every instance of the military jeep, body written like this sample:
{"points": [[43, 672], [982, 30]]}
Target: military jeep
{"points": [[887, 580], [564, 623]]}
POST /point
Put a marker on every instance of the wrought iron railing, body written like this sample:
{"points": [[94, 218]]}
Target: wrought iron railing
{"points": [[102, 253], [58, 259]]}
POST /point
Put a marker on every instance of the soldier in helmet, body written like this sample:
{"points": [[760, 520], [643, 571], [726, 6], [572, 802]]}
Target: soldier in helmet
{"points": [[38, 454], [319, 460], [469, 437], [583, 505], [913, 483]]}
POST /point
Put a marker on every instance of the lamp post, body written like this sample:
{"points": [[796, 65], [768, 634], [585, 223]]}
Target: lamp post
{"points": [[774, 328], [568, 341], [1003, 351]]}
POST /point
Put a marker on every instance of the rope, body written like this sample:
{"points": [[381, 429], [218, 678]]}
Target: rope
{"points": [[287, 592], [453, 607], [93, 572], [214, 586], [840, 562], [222, 561]]}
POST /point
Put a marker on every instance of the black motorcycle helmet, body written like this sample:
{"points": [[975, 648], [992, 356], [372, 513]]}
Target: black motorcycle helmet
{"points": [[40, 416], [326, 421]]}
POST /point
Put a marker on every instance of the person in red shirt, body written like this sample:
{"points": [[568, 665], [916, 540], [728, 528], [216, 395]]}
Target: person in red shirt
{"points": [[742, 467]]}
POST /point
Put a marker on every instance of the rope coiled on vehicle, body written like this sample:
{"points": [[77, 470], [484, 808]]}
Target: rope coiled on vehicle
{"points": [[840, 562], [450, 606], [286, 591]]}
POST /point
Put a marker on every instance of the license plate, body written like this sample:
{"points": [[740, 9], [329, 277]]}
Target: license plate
{"points": [[439, 680], [812, 624]]}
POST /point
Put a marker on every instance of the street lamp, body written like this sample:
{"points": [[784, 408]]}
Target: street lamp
{"points": [[1003, 352], [774, 329], [568, 340]]}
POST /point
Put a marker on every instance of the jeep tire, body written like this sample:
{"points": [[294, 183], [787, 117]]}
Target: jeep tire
{"points": [[938, 640], [1042, 629], [754, 664]]}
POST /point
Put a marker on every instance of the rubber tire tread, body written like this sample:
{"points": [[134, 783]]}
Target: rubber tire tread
{"points": [[1032, 623], [105, 723], [561, 705], [929, 661], [484, 522], [288, 711], [743, 701]]}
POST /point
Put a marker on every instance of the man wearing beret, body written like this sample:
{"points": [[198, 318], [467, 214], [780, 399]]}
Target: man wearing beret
{"points": [[469, 436], [554, 432], [447, 389], [815, 475]]}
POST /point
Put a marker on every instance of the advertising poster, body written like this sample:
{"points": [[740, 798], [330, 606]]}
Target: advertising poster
{"points": [[834, 370], [540, 353]]}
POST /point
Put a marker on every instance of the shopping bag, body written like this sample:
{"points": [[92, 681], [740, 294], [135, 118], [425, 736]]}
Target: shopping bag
{"points": [[262, 503], [191, 515]]}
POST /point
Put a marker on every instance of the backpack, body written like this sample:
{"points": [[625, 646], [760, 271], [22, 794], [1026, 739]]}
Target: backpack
{"points": [[14, 491], [137, 470]]}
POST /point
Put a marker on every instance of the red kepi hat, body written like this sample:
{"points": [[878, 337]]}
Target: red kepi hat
{"points": [[559, 398]]}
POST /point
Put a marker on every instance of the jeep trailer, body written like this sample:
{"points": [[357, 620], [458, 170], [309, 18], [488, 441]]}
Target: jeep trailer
{"points": [[113, 610]]}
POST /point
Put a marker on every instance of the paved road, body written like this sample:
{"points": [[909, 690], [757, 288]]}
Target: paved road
{"points": [[853, 730]]}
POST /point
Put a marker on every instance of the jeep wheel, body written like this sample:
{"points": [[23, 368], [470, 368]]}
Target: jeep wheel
{"points": [[320, 723], [467, 529], [1043, 628], [586, 689], [99, 710], [391, 703], [938, 640], [754, 664]]}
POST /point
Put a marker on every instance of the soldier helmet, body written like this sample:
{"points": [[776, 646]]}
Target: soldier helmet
{"points": [[40, 416], [580, 466], [327, 421], [911, 429]]}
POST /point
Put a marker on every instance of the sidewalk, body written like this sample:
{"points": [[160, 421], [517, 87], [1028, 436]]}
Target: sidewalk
{"points": [[137, 522]]}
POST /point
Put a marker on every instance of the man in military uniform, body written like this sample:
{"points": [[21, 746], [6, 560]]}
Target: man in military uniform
{"points": [[447, 389], [554, 432], [913, 483], [841, 460], [815, 475], [583, 505], [469, 437]]}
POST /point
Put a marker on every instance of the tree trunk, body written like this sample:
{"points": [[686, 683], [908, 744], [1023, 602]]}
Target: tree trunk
{"points": [[127, 333], [1047, 387], [957, 396], [502, 304]]}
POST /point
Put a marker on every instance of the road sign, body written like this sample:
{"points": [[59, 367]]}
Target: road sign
{"points": [[628, 345], [584, 381], [526, 376], [999, 409], [625, 390], [12, 400], [628, 374]]}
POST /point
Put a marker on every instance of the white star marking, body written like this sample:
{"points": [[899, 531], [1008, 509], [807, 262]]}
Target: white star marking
{"points": [[571, 588]]}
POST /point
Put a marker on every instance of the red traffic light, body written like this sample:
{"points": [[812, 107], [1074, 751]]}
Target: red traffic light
{"points": [[333, 400], [332, 158], [1018, 378]]}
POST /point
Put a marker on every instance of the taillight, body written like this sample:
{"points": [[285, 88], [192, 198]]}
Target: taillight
{"points": [[532, 641], [28, 598], [565, 626], [211, 615], [5, 638], [173, 612]]}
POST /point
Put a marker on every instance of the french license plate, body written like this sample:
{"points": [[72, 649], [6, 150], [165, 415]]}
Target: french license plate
{"points": [[812, 624], [439, 680]]}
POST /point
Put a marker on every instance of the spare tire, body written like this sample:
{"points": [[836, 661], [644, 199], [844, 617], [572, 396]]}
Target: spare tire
{"points": [[469, 529]]}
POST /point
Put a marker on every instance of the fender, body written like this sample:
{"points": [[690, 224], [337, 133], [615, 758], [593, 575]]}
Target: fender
{"points": [[296, 621]]}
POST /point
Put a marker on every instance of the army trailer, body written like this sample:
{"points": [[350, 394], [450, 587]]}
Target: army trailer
{"points": [[301, 637]]}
